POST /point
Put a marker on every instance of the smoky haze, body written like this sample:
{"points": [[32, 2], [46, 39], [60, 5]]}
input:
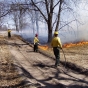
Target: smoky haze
{"points": [[71, 36]]}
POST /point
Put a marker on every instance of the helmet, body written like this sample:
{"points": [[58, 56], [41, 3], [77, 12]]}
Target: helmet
{"points": [[36, 35], [56, 32]]}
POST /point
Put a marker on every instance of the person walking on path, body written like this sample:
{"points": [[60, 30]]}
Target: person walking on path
{"points": [[9, 33], [56, 44], [36, 43]]}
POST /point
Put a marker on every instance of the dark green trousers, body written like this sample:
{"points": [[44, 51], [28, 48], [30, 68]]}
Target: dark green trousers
{"points": [[35, 47], [9, 34], [56, 51]]}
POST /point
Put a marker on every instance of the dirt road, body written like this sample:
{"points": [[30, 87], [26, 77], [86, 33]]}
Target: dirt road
{"points": [[37, 69]]}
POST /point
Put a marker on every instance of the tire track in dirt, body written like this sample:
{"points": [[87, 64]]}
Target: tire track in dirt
{"points": [[39, 69]]}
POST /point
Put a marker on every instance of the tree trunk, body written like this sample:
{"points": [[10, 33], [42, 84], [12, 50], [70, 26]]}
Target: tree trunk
{"points": [[59, 14], [49, 27], [49, 35], [49, 31]]}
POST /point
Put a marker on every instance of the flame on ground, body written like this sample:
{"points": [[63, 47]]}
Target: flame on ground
{"points": [[74, 44], [44, 47]]}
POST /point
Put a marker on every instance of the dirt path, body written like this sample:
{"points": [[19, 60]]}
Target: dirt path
{"points": [[38, 69]]}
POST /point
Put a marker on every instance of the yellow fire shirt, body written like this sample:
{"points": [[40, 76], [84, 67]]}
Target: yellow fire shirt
{"points": [[9, 30], [56, 42], [36, 40]]}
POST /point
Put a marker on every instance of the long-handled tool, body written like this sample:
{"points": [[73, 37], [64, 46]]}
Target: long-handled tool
{"points": [[64, 57]]}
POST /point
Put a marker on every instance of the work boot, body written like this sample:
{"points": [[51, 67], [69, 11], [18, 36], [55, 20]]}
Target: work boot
{"points": [[56, 65]]}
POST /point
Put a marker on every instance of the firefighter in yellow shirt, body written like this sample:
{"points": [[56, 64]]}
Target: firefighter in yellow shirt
{"points": [[36, 42], [9, 33], [56, 44]]}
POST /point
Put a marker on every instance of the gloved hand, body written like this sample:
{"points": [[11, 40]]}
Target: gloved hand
{"points": [[39, 44]]}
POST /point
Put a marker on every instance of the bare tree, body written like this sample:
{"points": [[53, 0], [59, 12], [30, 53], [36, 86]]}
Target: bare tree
{"points": [[51, 10], [4, 10], [18, 10], [16, 20]]}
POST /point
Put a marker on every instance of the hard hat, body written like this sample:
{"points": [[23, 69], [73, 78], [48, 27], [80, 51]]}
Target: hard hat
{"points": [[56, 32]]}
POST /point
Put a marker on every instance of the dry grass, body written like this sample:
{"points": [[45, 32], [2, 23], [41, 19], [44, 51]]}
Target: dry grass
{"points": [[9, 74], [77, 54]]}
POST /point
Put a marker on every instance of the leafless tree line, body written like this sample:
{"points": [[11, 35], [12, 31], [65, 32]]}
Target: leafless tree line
{"points": [[49, 11]]}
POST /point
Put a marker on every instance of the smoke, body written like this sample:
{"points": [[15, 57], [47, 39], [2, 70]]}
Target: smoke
{"points": [[73, 36]]}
